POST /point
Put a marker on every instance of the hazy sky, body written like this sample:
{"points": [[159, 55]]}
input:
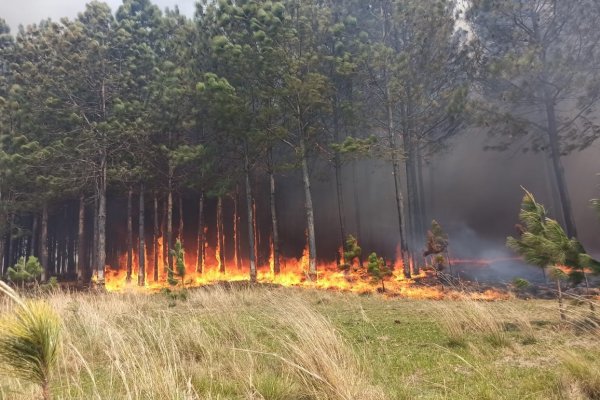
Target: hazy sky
{"points": [[26, 12]]}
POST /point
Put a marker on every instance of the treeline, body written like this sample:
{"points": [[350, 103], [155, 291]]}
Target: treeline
{"points": [[155, 107]]}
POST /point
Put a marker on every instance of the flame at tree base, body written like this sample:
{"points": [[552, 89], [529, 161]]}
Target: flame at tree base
{"points": [[294, 273]]}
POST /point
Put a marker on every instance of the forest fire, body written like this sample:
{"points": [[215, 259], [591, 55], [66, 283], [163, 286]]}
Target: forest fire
{"points": [[294, 273]]}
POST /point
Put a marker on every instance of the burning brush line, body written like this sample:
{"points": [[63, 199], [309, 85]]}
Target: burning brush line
{"points": [[294, 273]]}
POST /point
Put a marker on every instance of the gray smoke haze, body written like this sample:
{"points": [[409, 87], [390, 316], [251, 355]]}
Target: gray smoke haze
{"points": [[474, 194], [26, 12]]}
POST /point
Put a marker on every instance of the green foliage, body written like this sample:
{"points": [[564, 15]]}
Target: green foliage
{"points": [[179, 255], [544, 243], [378, 270], [29, 341], [352, 251], [25, 270], [521, 283], [355, 147], [175, 295]]}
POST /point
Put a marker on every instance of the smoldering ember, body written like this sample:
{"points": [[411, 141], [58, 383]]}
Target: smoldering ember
{"points": [[378, 155]]}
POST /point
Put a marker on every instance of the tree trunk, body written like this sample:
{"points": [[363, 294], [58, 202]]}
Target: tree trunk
{"points": [[561, 309], [2, 244], [337, 164], [398, 192], [395, 162], [310, 218], [357, 207], [251, 238], [220, 236], [129, 235], [34, 229], [142, 241], [274, 226], [201, 239], [163, 232], [94, 244], [180, 230], [10, 250], [170, 234], [553, 139], [559, 173], [236, 234], [44, 244], [155, 254], [81, 240], [102, 225], [421, 195]]}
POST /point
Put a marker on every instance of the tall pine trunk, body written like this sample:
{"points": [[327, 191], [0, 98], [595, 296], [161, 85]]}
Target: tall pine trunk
{"points": [[94, 244], [308, 205], [274, 225], [357, 208], [397, 189], [102, 225], [163, 232], [236, 233], [553, 138], [170, 233], [337, 164], [44, 244], [201, 239], [129, 234], [80, 268], [250, 209], [155, 235], [11, 247], [220, 236], [559, 173], [33, 242], [180, 229], [142, 241]]}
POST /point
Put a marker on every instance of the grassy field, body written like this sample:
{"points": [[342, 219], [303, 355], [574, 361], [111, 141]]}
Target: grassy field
{"points": [[276, 343]]}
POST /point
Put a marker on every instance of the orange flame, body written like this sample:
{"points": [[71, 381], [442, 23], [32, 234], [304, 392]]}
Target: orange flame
{"points": [[294, 272]]}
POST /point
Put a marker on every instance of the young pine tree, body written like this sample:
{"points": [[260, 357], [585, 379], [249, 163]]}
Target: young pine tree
{"points": [[378, 270]]}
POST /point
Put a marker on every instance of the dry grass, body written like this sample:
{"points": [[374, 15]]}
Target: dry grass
{"points": [[493, 321], [275, 343], [248, 344]]}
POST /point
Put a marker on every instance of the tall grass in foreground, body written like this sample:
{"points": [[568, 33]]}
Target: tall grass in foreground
{"points": [[29, 341], [219, 344]]}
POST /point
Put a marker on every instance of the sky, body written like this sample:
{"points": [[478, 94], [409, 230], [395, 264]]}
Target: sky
{"points": [[26, 12]]}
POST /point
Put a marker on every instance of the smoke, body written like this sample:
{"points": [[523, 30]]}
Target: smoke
{"points": [[481, 190], [473, 193]]}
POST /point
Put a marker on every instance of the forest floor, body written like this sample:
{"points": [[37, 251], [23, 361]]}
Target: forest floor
{"points": [[285, 343]]}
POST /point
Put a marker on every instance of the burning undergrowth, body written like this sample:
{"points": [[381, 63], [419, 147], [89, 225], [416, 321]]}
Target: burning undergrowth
{"points": [[358, 277]]}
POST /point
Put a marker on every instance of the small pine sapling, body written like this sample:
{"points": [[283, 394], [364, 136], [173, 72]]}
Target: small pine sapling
{"points": [[179, 255], [544, 243], [378, 270], [352, 252], [25, 270]]}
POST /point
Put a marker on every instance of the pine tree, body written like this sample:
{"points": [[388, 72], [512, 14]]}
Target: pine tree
{"points": [[539, 80]]}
